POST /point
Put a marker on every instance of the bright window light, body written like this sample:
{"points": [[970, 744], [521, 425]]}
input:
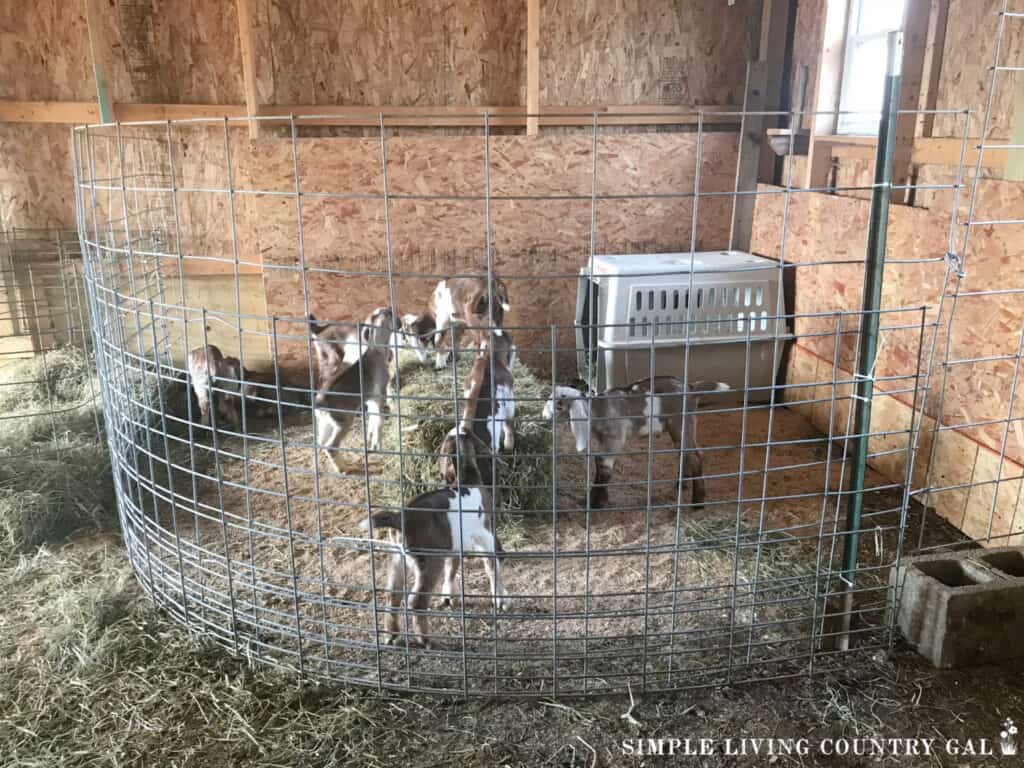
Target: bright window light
{"points": [[866, 54]]}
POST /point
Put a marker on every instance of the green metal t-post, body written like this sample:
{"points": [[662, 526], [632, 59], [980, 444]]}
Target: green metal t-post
{"points": [[874, 267]]}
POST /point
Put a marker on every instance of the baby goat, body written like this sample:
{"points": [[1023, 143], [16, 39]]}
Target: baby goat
{"points": [[341, 383], [612, 419], [464, 301], [417, 332], [492, 419], [435, 530], [218, 378]]}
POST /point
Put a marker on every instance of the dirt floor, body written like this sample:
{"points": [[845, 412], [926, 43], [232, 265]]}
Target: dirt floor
{"points": [[682, 596], [92, 673]]}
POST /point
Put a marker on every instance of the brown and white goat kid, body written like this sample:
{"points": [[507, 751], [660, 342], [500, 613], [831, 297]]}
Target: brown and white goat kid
{"points": [[218, 378], [417, 332], [610, 420], [346, 384], [459, 302], [434, 531], [492, 419]]}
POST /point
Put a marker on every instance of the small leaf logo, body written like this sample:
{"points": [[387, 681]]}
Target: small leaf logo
{"points": [[1008, 738]]}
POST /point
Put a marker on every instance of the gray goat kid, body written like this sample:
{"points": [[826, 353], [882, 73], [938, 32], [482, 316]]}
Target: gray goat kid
{"points": [[346, 385], [608, 422]]}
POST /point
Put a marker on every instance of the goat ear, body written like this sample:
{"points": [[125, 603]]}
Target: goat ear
{"points": [[579, 411], [366, 334]]}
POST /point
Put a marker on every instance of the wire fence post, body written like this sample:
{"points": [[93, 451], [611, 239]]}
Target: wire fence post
{"points": [[864, 378]]}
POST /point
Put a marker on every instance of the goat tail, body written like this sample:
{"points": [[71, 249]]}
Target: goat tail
{"points": [[391, 520]]}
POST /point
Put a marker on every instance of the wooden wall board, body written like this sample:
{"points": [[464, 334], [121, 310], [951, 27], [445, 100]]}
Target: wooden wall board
{"points": [[969, 53], [36, 188], [807, 50], [44, 52], [637, 51], [394, 52], [531, 238], [958, 459], [827, 227]]}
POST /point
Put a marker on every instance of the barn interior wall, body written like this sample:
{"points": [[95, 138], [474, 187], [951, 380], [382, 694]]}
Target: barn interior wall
{"points": [[824, 227]]}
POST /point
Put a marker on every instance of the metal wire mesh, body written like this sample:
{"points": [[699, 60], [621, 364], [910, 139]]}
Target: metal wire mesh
{"points": [[44, 315], [240, 533]]}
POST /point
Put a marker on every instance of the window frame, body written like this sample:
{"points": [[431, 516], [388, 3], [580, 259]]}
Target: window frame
{"points": [[859, 124]]}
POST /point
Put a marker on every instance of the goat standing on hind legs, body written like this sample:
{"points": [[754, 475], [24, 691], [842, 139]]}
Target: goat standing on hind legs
{"points": [[464, 301], [610, 420], [347, 385]]}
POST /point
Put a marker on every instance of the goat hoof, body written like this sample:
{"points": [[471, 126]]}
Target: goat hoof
{"points": [[598, 500], [446, 602]]}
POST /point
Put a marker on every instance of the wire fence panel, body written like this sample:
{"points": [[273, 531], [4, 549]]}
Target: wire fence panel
{"points": [[666, 508]]}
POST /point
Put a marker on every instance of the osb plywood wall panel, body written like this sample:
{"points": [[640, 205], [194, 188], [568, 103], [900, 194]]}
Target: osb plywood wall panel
{"points": [[44, 52], [36, 188], [969, 53], [646, 51], [539, 245], [176, 51], [807, 39], [959, 459], [398, 52], [825, 227]]}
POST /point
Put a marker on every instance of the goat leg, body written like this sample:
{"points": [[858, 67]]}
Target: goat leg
{"points": [[693, 470], [395, 587], [603, 466], [451, 569]]}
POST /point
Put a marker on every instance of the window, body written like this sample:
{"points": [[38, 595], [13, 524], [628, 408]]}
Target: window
{"points": [[865, 57]]}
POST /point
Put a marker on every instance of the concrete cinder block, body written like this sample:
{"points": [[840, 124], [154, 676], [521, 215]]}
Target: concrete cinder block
{"points": [[963, 608]]}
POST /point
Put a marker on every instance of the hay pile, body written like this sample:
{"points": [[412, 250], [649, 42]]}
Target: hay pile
{"points": [[428, 412], [55, 472]]}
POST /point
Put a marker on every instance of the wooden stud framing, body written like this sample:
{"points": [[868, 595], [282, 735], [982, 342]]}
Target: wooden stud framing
{"points": [[99, 51], [825, 92], [244, 9], [937, 19], [915, 44], [532, 65], [772, 51], [1015, 157]]}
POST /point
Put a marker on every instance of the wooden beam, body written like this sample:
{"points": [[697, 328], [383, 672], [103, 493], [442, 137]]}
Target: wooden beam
{"points": [[244, 9], [131, 113], [74, 112], [825, 91], [772, 52], [934, 54], [752, 141], [100, 50], [947, 152], [532, 65], [915, 45], [926, 151], [424, 116]]}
